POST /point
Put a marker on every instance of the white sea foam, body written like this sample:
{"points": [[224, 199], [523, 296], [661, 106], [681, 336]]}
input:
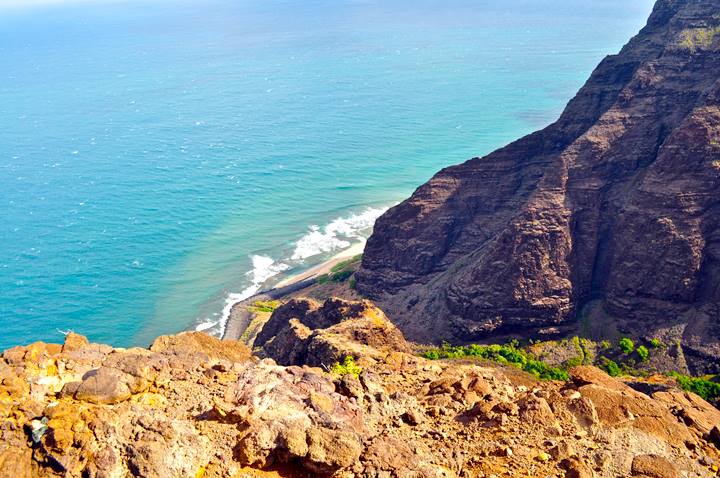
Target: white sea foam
{"points": [[335, 236], [263, 268]]}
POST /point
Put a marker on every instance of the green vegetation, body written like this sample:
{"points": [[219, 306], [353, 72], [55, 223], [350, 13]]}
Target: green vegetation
{"points": [[695, 38], [508, 354], [605, 345], [352, 284], [265, 305], [643, 353], [626, 345], [707, 389], [348, 367], [655, 343], [341, 271], [612, 368], [341, 266]]}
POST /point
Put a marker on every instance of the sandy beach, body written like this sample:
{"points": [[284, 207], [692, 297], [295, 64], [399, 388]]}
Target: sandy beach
{"points": [[325, 267], [240, 316]]}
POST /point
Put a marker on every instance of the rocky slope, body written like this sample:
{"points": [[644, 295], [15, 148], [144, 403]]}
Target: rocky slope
{"points": [[610, 213], [194, 406]]}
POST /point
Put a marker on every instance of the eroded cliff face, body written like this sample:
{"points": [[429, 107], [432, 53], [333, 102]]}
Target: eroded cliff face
{"points": [[610, 213]]}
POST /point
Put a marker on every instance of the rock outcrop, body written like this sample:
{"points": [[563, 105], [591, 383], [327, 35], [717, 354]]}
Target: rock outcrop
{"points": [[87, 410], [612, 211], [303, 331]]}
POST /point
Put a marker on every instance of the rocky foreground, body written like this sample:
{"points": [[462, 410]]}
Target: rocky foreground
{"points": [[194, 406]]}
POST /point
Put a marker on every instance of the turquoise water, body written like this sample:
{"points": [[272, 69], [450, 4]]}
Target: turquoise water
{"points": [[158, 157]]}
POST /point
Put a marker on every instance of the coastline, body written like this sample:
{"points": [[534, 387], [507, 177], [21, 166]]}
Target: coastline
{"points": [[239, 316]]}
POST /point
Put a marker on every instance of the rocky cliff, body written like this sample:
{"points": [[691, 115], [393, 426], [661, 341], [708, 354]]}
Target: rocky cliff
{"points": [[610, 214], [193, 406]]}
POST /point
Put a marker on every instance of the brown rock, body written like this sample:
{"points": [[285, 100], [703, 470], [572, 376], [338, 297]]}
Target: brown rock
{"points": [[198, 342], [653, 466], [575, 468], [104, 386], [16, 463], [301, 332], [74, 342], [330, 450]]}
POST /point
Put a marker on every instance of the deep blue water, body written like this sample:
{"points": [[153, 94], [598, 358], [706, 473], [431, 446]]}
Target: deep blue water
{"points": [[158, 156]]}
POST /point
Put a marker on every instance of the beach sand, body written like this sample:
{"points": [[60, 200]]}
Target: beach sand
{"points": [[240, 316], [325, 267]]}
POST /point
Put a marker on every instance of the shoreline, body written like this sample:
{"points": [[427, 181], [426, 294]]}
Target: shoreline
{"points": [[239, 317]]}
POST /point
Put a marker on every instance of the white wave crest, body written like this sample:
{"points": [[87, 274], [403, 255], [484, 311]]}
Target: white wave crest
{"points": [[263, 268], [336, 235]]}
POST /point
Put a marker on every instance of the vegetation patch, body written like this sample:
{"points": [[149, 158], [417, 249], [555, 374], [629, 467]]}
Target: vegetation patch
{"points": [[341, 266], [341, 271], [265, 306], [694, 38], [707, 389], [509, 354], [347, 367], [626, 345]]}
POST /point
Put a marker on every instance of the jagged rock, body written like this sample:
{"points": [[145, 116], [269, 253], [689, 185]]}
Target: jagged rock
{"points": [[294, 414], [303, 332], [74, 342], [611, 209]]}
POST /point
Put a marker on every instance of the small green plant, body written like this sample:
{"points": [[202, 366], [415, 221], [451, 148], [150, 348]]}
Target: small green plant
{"points": [[655, 343], [643, 353], [347, 367], [352, 284], [707, 389], [265, 305], [323, 279], [612, 368], [626, 345], [605, 345]]}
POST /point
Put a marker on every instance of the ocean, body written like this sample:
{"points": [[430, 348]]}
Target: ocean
{"points": [[160, 159]]}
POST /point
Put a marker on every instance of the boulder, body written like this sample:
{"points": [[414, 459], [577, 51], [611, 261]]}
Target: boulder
{"points": [[105, 386], [74, 342]]}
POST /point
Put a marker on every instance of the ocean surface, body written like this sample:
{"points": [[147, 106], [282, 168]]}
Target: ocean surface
{"points": [[159, 159]]}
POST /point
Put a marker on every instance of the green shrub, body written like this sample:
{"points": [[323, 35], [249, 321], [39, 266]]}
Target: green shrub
{"points": [[265, 305], [707, 389], [340, 276], [610, 367], [348, 367], [352, 284], [626, 345], [573, 362], [605, 345], [509, 354], [323, 279], [655, 343], [643, 353]]}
